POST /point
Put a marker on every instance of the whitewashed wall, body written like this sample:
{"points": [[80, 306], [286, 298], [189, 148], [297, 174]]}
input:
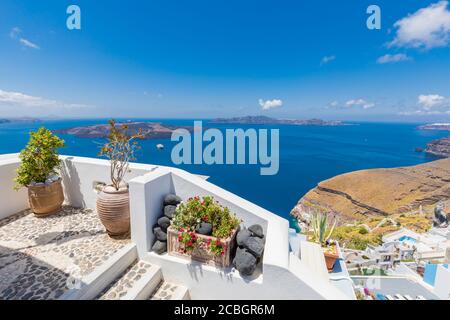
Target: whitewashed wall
{"points": [[442, 283], [11, 201], [283, 276]]}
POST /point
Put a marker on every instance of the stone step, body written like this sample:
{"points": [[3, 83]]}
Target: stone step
{"points": [[137, 282], [170, 291]]}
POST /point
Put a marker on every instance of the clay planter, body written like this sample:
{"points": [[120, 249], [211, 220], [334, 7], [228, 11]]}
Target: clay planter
{"points": [[201, 251], [331, 258], [113, 208], [46, 199]]}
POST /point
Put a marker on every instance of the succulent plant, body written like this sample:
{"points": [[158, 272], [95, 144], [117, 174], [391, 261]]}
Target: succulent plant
{"points": [[321, 229]]}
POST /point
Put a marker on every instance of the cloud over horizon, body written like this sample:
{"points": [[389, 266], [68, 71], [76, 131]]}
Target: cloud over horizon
{"points": [[429, 101], [360, 103], [430, 104], [270, 104], [10, 98]]}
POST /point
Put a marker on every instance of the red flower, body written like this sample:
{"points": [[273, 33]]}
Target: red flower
{"points": [[218, 243], [189, 243], [222, 253]]}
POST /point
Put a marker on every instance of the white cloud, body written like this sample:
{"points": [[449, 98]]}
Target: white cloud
{"points": [[29, 44], [393, 58], [360, 103], [430, 104], [270, 104], [9, 98], [334, 103], [327, 59], [428, 101], [426, 28], [15, 35]]}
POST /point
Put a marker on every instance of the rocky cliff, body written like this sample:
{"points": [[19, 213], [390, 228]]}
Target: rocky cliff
{"points": [[378, 193], [439, 147]]}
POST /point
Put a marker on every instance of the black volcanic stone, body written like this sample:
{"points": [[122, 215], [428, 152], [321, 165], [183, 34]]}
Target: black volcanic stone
{"points": [[256, 230], [242, 237], [169, 211], [255, 246], [160, 234], [244, 262], [159, 247], [204, 228], [164, 223], [172, 199]]}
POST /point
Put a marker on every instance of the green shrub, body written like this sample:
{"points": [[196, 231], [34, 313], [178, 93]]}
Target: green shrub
{"points": [[363, 230], [191, 213], [358, 243], [40, 158]]}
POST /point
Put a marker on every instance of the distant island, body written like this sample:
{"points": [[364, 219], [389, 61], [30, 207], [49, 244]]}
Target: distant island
{"points": [[435, 126], [150, 130], [24, 119], [268, 120]]}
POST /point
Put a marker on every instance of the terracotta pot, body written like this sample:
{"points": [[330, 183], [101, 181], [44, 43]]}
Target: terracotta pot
{"points": [[113, 208], [46, 199], [330, 260]]}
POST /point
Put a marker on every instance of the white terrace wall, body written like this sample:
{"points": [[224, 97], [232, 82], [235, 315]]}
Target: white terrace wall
{"points": [[283, 276], [78, 178], [11, 201]]}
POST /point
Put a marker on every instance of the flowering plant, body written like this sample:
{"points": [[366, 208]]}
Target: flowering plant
{"points": [[196, 210], [188, 238], [216, 247]]}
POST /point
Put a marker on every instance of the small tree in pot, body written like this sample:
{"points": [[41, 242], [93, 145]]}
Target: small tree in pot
{"points": [[113, 202], [38, 172]]}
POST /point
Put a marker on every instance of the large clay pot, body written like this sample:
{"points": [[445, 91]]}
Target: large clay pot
{"points": [[46, 199], [113, 208]]}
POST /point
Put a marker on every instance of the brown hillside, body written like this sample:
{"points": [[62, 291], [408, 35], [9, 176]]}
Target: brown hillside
{"points": [[376, 193]]}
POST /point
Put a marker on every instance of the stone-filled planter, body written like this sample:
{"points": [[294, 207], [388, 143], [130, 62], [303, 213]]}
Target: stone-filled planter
{"points": [[201, 251], [113, 208], [46, 199]]}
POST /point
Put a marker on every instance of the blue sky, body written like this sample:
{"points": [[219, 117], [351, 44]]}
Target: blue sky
{"points": [[185, 59]]}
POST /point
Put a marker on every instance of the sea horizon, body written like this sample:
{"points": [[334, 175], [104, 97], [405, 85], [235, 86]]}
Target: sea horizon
{"points": [[308, 154]]}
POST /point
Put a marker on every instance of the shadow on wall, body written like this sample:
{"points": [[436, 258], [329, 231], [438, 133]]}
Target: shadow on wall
{"points": [[72, 184]]}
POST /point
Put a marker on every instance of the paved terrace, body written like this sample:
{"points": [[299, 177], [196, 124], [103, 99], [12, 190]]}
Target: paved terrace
{"points": [[41, 258]]}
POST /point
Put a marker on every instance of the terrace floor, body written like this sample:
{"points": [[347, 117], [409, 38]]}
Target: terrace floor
{"points": [[42, 258]]}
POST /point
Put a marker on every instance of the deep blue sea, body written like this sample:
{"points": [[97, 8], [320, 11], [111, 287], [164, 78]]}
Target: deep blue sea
{"points": [[308, 155]]}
